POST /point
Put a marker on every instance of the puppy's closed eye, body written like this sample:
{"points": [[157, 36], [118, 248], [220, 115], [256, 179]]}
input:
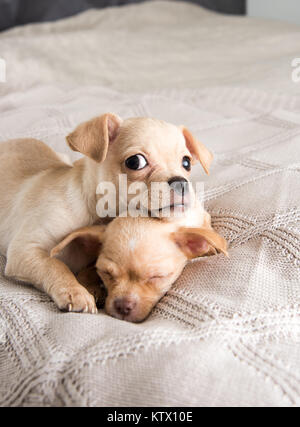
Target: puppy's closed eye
{"points": [[106, 274], [159, 277]]}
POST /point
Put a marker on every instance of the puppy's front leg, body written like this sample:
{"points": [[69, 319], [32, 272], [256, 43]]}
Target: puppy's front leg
{"points": [[50, 275]]}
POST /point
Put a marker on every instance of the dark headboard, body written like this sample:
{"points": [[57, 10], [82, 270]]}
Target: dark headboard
{"points": [[19, 12]]}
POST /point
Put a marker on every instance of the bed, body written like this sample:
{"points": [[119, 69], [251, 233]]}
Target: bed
{"points": [[228, 333]]}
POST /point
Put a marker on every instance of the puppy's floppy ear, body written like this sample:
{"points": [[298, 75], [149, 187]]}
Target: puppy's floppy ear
{"points": [[87, 241], [197, 149], [196, 242], [92, 138]]}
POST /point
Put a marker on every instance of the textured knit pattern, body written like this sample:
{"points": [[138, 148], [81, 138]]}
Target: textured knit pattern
{"points": [[228, 332]]}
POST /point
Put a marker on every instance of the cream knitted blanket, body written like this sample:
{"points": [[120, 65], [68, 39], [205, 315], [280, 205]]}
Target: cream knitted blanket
{"points": [[228, 333]]}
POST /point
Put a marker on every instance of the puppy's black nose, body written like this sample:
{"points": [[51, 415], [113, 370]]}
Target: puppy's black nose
{"points": [[179, 184], [124, 305]]}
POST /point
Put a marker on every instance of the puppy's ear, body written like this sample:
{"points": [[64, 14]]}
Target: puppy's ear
{"points": [[196, 242], [86, 241], [92, 138], [197, 149]]}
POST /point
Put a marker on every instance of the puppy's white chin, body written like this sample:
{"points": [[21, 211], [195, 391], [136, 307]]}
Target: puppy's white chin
{"points": [[178, 208], [171, 212]]}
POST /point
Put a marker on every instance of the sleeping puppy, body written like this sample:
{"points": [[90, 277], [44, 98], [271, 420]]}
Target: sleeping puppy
{"points": [[43, 199], [138, 260]]}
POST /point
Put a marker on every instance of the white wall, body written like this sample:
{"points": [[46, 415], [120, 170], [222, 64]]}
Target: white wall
{"points": [[284, 10]]}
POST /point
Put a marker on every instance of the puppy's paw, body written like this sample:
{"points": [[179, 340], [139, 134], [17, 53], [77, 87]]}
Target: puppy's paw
{"points": [[75, 298]]}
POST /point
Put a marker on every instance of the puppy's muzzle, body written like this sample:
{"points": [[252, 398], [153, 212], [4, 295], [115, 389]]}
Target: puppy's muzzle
{"points": [[124, 306], [180, 190], [180, 185]]}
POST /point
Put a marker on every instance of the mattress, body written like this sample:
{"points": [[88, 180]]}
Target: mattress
{"points": [[228, 332]]}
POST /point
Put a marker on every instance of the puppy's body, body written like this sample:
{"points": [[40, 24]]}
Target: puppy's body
{"points": [[38, 188], [43, 198]]}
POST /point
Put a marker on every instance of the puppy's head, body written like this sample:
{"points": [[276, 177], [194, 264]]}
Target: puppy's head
{"points": [[140, 258], [146, 150]]}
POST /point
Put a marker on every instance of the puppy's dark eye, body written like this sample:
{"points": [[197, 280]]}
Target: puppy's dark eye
{"points": [[136, 162], [186, 163]]}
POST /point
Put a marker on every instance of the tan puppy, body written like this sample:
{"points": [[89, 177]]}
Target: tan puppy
{"points": [[138, 260], [43, 199]]}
